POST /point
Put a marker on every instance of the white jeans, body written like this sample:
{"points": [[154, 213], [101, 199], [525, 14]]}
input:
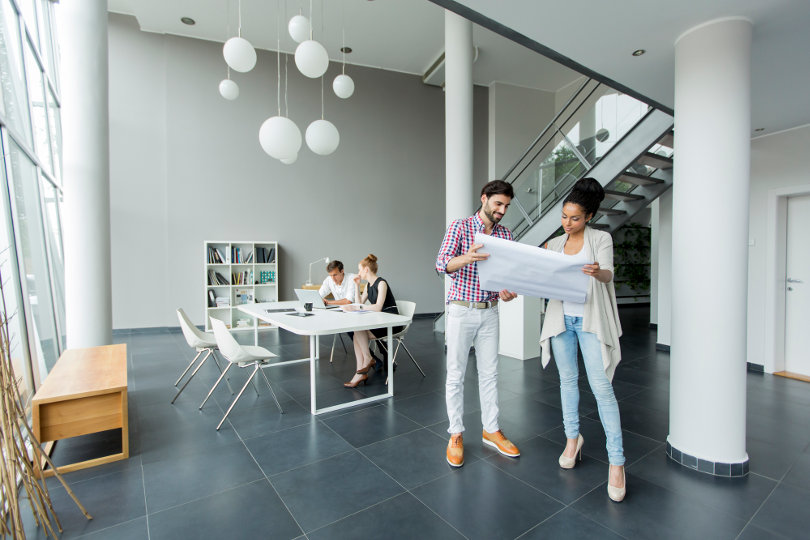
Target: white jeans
{"points": [[467, 326]]}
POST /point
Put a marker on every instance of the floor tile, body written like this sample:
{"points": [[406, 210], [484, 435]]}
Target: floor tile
{"points": [[370, 425], [570, 525], [131, 530], [739, 497], [402, 517], [412, 458], [482, 501], [785, 512], [111, 499], [538, 465], [328, 490], [752, 532], [295, 447], [650, 511], [250, 511], [176, 481], [635, 446]]}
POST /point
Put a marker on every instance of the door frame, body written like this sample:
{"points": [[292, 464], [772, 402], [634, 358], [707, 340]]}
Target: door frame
{"points": [[775, 293]]}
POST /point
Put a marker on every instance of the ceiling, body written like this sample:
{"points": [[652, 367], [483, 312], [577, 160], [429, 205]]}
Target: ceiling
{"points": [[397, 35], [408, 35], [602, 35]]}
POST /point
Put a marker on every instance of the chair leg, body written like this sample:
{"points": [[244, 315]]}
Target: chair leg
{"points": [[271, 392], [228, 379], [207, 354], [256, 388], [332, 354], [343, 344], [221, 375], [187, 368], [255, 369], [413, 359]]}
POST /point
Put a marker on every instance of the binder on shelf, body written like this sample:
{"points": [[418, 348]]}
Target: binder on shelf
{"points": [[212, 300]]}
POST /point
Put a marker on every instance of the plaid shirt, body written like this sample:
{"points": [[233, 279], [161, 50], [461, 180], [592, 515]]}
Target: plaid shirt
{"points": [[457, 240]]}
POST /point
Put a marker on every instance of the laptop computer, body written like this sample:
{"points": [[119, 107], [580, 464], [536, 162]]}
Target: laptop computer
{"points": [[310, 295]]}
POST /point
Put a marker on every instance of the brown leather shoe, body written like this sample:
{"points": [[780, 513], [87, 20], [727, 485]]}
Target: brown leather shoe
{"points": [[499, 441], [455, 451]]}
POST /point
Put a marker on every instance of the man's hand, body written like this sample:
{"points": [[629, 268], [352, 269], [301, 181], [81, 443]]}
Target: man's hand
{"points": [[472, 254], [506, 296]]}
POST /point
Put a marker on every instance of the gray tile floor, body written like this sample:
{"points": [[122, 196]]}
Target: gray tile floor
{"points": [[380, 471]]}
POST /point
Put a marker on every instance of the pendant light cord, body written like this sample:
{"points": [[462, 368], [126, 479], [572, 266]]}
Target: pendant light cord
{"points": [[240, 18], [278, 56]]}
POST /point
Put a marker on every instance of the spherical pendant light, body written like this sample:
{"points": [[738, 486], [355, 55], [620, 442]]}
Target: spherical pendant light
{"points": [[299, 28], [239, 54], [228, 89], [290, 161], [343, 85], [280, 137], [322, 137], [311, 59]]}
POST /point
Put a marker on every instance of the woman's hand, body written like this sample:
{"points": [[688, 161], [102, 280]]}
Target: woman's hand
{"points": [[597, 273], [356, 280], [591, 269]]}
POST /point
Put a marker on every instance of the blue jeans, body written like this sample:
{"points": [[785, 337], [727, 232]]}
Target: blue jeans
{"points": [[565, 355]]}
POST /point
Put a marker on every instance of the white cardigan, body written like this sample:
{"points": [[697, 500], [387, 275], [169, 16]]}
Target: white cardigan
{"points": [[601, 314]]}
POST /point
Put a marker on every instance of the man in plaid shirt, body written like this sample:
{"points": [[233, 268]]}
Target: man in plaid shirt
{"points": [[472, 317]]}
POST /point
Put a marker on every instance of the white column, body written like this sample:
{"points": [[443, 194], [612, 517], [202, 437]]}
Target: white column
{"points": [[710, 241], [85, 135], [458, 113], [664, 237]]}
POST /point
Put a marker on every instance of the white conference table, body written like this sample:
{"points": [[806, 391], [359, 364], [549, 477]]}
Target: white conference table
{"points": [[326, 322]]}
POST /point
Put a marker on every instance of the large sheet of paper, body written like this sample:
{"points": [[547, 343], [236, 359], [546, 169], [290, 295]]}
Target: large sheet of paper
{"points": [[530, 270]]}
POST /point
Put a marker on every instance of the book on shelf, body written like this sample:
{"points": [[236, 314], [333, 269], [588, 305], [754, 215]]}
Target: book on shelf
{"points": [[243, 296], [215, 278], [215, 256], [249, 258], [223, 301], [271, 255], [212, 299]]}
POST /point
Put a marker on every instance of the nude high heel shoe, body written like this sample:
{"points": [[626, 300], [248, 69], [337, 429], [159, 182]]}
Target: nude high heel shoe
{"points": [[569, 462], [617, 494]]}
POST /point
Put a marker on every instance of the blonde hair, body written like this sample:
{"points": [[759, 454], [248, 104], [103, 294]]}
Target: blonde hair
{"points": [[370, 262]]}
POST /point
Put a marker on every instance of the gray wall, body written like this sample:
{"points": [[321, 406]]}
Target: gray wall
{"points": [[186, 166]]}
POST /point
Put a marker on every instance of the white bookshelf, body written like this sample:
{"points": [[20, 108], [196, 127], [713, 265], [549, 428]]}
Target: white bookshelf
{"points": [[238, 273]]}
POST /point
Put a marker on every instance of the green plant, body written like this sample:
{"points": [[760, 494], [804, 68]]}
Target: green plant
{"points": [[631, 253]]}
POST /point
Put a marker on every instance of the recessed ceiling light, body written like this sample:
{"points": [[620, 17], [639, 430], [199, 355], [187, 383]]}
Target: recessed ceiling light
{"points": [[345, 50], [638, 52], [759, 129], [188, 20]]}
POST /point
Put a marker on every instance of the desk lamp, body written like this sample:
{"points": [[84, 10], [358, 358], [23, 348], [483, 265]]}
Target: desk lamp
{"points": [[309, 280]]}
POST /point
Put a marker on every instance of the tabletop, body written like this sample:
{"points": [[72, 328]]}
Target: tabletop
{"points": [[322, 321]]}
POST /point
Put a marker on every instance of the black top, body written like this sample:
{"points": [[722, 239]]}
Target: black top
{"points": [[389, 306]]}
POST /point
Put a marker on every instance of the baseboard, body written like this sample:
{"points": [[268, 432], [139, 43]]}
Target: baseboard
{"points": [[146, 330], [426, 315], [653, 326], [661, 347], [758, 368]]}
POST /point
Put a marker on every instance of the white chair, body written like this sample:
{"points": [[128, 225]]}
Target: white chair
{"points": [[203, 342], [406, 308], [242, 356]]}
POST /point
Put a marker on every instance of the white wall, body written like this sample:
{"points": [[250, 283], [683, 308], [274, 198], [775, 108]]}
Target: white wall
{"points": [[186, 166], [777, 161], [516, 117]]}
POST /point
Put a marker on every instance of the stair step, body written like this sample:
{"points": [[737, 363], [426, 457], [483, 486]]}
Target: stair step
{"points": [[639, 179], [600, 226], [611, 212], [668, 139], [654, 160], [619, 196]]}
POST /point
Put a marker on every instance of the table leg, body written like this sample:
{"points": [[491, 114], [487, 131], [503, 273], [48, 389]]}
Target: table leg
{"points": [[255, 331], [312, 369], [390, 361]]}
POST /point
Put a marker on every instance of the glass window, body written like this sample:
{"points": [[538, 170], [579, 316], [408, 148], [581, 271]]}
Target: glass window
{"points": [[28, 8], [9, 277], [52, 203], [55, 124], [30, 236], [45, 22], [39, 115], [12, 75]]}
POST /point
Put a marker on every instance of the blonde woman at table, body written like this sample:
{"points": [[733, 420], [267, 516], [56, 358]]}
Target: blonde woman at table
{"points": [[594, 325], [380, 297]]}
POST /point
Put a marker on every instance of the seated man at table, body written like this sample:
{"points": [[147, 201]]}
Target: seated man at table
{"points": [[339, 284]]}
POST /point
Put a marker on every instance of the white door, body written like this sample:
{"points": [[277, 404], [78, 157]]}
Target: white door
{"points": [[797, 282]]}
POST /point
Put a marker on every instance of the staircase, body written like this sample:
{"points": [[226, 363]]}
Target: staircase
{"points": [[630, 155]]}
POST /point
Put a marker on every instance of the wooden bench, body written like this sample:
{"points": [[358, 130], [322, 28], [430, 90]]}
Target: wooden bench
{"points": [[85, 392]]}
